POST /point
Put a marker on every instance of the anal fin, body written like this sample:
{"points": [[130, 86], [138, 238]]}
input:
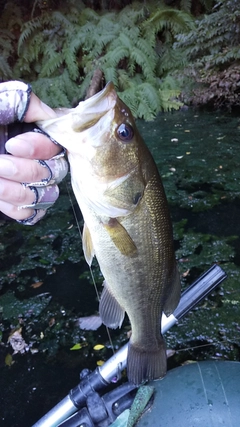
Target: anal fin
{"points": [[111, 313]]}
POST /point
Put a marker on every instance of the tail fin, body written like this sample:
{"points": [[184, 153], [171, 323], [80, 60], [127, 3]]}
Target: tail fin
{"points": [[146, 364]]}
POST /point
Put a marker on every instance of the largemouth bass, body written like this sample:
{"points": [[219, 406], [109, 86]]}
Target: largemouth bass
{"points": [[127, 224]]}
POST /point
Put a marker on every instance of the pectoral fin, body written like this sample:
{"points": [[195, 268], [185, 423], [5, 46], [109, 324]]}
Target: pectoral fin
{"points": [[120, 237], [111, 313], [87, 245]]}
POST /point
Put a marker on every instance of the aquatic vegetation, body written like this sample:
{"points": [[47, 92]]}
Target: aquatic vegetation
{"points": [[198, 159], [13, 309]]}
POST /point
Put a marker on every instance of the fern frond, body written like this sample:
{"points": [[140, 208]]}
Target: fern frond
{"points": [[88, 15], [5, 70], [128, 96], [71, 62], [149, 94], [144, 61], [60, 18], [56, 91], [167, 19], [169, 93], [113, 57], [111, 75], [85, 83], [170, 59], [186, 5], [51, 64], [28, 29], [124, 80]]}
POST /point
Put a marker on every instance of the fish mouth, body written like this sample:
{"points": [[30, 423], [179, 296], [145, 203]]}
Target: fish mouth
{"points": [[93, 115], [90, 111]]}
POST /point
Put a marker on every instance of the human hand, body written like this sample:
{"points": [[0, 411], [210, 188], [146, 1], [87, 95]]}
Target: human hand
{"points": [[28, 186]]}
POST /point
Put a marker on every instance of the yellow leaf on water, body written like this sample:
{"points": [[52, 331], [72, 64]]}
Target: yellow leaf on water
{"points": [[8, 360], [100, 362], [98, 347], [76, 347], [79, 345]]}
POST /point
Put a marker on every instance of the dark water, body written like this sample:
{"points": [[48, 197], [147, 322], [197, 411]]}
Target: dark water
{"points": [[198, 157]]}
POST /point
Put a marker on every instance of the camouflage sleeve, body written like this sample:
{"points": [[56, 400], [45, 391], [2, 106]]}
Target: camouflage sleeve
{"points": [[14, 101]]}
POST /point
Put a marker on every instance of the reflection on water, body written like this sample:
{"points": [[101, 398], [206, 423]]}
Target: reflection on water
{"points": [[198, 157]]}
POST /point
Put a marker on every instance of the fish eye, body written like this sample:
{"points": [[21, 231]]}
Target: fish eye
{"points": [[125, 132]]}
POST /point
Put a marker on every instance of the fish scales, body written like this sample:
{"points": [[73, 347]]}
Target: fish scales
{"points": [[127, 223]]}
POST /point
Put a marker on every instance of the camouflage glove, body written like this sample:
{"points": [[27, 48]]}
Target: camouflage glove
{"points": [[14, 103], [46, 191]]}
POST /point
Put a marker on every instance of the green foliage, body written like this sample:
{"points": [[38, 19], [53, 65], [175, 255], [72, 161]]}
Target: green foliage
{"points": [[213, 54], [215, 36], [47, 57], [11, 21], [56, 91], [59, 50], [153, 53], [126, 44]]}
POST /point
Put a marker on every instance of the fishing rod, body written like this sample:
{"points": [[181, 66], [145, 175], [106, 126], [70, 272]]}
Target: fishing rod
{"points": [[99, 411]]}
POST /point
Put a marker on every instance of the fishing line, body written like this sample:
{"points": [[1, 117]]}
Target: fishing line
{"points": [[90, 268], [196, 346]]}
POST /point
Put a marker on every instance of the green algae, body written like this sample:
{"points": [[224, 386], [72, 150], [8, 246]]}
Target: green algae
{"points": [[198, 157], [13, 308]]}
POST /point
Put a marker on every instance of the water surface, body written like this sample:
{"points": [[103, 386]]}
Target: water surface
{"points": [[198, 157]]}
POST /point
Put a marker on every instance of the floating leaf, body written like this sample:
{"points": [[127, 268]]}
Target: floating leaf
{"points": [[100, 362], [17, 342], [76, 347], [98, 347], [36, 285], [9, 360]]}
